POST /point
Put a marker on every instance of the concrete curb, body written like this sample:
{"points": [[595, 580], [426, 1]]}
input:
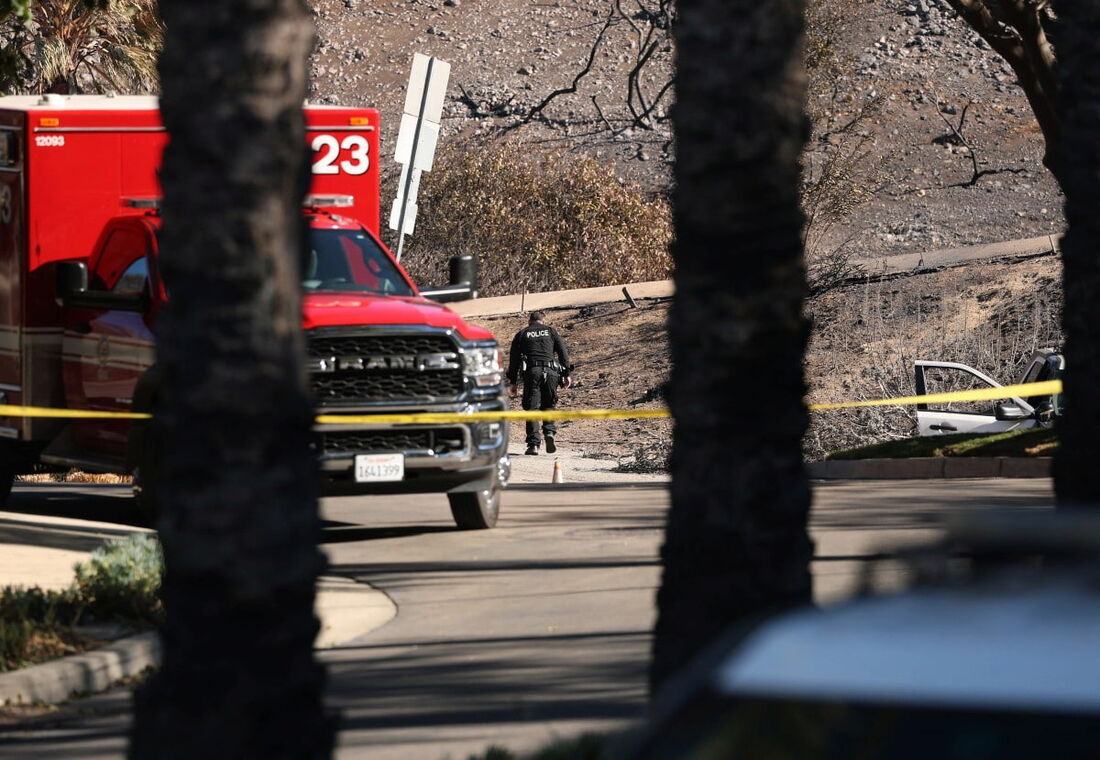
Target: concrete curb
{"points": [[57, 681], [928, 260], [347, 609], [930, 467]]}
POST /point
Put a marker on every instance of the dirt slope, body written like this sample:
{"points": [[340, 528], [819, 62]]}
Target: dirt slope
{"points": [[865, 339], [914, 56], [622, 360]]}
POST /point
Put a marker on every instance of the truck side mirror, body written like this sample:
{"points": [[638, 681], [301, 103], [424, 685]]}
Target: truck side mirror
{"points": [[71, 285], [70, 280], [1044, 413], [463, 271], [1009, 412]]}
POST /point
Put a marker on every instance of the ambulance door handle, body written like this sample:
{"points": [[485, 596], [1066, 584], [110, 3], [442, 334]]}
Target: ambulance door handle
{"points": [[82, 327]]}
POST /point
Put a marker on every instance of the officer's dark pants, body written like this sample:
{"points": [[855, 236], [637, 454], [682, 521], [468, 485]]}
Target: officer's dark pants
{"points": [[540, 391]]}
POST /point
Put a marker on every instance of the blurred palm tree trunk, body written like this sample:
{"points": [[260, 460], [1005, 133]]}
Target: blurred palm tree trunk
{"points": [[1075, 478], [239, 509], [736, 545]]}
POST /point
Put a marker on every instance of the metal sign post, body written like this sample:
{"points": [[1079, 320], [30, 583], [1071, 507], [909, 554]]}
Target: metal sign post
{"points": [[417, 138]]}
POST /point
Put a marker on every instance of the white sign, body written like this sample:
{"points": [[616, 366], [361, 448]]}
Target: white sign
{"points": [[424, 97], [426, 140], [418, 137], [413, 179], [410, 216]]}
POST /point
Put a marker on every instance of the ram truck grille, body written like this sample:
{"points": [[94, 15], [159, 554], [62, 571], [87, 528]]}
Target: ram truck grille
{"points": [[371, 369], [372, 441]]}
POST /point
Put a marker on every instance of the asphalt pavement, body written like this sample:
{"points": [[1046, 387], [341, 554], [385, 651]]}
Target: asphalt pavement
{"points": [[539, 628]]}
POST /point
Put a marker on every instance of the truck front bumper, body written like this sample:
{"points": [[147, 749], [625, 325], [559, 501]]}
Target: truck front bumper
{"points": [[438, 458]]}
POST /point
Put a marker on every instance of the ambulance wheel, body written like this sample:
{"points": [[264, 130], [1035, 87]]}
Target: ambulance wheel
{"points": [[475, 510]]}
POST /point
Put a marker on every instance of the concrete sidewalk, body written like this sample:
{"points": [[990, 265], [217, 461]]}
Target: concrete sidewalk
{"points": [[874, 267], [40, 550], [560, 299]]}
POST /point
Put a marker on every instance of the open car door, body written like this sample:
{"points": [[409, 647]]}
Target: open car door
{"points": [[943, 418]]}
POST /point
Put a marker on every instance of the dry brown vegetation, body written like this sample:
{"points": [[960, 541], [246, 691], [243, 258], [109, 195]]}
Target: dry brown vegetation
{"points": [[865, 339], [537, 221], [76, 476], [990, 316]]}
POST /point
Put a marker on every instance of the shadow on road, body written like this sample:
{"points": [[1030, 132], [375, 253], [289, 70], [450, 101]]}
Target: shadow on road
{"points": [[588, 676], [341, 532], [109, 506]]}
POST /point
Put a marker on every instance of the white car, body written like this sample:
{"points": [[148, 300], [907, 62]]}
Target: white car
{"points": [[1002, 415]]}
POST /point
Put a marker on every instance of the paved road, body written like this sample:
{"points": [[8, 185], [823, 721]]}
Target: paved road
{"points": [[538, 628]]}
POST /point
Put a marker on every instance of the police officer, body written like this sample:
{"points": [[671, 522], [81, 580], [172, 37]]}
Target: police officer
{"points": [[539, 350]]}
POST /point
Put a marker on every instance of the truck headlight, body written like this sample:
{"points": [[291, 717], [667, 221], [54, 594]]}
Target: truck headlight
{"points": [[482, 365]]}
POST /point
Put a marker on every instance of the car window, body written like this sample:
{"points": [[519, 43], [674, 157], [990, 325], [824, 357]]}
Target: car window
{"points": [[948, 379], [1037, 373], [134, 279], [123, 248], [351, 260], [1033, 372]]}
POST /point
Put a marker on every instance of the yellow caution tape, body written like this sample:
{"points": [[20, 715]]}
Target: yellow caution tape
{"points": [[1045, 388], [517, 416], [68, 414]]}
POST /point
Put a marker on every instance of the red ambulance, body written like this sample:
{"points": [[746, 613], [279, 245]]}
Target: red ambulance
{"points": [[80, 290]]}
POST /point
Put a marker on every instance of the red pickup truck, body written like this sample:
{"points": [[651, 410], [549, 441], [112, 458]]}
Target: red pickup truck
{"points": [[80, 291]]}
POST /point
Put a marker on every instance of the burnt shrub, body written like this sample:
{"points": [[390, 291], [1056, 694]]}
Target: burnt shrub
{"points": [[536, 221]]}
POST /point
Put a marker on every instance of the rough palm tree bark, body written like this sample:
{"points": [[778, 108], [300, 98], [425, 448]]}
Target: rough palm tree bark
{"points": [[237, 484], [1075, 480], [736, 545]]}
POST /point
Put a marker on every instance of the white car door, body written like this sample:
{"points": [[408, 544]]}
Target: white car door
{"points": [[945, 418]]}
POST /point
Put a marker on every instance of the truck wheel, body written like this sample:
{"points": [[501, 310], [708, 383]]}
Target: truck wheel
{"points": [[10, 460], [145, 507], [475, 510], [7, 479]]}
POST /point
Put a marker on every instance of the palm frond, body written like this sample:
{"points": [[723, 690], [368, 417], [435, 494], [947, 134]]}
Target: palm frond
{"points": [[90, 45]]}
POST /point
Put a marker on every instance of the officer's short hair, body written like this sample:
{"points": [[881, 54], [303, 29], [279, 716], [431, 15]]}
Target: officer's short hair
{"points": [[535, 316]]}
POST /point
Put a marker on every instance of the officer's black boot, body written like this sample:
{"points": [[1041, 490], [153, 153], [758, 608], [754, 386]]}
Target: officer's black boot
{"points": [[533, 449], [551, 447]]}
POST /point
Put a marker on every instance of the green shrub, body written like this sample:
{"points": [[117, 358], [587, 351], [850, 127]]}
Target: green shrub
{"points": [[121, 580], [38, 606], [15, 638], [536, 221], [36, 624]]}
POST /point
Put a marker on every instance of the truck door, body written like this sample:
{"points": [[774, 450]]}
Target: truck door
{"points": [[108, 351], [943, 418]]}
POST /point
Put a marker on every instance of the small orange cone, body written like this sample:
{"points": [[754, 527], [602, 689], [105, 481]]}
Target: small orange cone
{"points": [[558, 477]]}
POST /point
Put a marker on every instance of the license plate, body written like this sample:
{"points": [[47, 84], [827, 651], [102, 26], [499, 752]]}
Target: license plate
{"points": [[379, 468]]}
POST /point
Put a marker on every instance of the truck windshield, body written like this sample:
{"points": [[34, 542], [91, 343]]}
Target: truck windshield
{"points": [[350, 260]]}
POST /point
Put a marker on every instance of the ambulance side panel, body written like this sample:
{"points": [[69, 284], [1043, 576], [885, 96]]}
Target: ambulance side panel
{"points": [[12, 241], [82, 165], [346, 160], [65, 171]]}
